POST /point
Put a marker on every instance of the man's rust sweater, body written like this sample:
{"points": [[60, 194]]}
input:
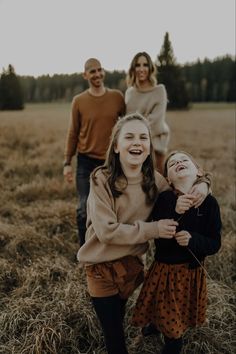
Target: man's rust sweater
{"points": [[92, 120]]}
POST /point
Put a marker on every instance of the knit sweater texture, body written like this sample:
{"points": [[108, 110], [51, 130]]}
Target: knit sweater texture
{"points": [[117, 227], [91, 123], [152, 104]]}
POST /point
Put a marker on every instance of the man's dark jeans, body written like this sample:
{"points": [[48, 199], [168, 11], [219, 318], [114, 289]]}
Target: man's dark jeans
{"points": [[85, 165]]}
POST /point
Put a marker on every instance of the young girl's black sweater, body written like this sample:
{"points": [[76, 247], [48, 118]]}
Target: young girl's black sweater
{"points": [[203, 223]]}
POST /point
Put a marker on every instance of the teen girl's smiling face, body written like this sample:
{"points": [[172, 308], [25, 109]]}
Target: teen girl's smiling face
{"points": [[133, 144], [179, 166]]}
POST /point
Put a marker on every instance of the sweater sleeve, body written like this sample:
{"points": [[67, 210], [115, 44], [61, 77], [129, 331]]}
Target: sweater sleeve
{"points": [[210, 242], [159, 128], [122, 110], [73, 132], [157, 115], [127, 95], [105, 223], [161, 183], [206, 178]]}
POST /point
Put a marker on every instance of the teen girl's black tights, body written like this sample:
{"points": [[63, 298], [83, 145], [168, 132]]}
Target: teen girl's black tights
{"points": [[172, 345], [111, 312]]}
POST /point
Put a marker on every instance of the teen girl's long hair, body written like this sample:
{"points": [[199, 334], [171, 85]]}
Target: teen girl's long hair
{"points": [[112, 166], [131, 76]]}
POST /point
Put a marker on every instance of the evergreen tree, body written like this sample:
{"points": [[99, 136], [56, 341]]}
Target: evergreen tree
{"points": [[211, 81], [11, 93], [169, 73]]}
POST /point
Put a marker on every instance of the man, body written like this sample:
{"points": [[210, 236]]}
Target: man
{"points": [[93, 115]]}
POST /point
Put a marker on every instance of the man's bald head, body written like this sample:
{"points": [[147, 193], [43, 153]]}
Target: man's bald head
{"points": [[90, 63]]}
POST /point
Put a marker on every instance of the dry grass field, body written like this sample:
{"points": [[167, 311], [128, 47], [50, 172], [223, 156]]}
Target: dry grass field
{"points": [[44, 306]]}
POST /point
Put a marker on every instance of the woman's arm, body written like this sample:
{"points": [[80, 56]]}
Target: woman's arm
{"points": [[157, 118], [157, 114]]}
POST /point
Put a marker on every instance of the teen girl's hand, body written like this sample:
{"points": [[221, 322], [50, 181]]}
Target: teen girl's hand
{"points": [[183, 237], [200, 191], [184, 203], [166, 228]]}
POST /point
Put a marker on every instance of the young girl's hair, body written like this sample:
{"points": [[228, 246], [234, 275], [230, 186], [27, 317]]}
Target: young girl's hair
{"points": [[112, 166], [131, 76]]}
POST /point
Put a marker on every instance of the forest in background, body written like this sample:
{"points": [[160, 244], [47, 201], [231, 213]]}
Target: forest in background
{"points": [[205, 81], [202, 81]]}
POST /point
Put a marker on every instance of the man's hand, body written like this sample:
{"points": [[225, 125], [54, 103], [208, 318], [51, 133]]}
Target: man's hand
{"points": [[183, 237], [166, 228], [200, 191], [68, 173]]}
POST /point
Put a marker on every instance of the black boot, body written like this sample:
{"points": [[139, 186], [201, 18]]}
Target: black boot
{"points": [[81, 227], [172, 345], [149, 330], [81, 236]]}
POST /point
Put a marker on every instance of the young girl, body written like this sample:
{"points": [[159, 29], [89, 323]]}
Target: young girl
{"points": [[173, 296], [146, 97], [122, 195]]}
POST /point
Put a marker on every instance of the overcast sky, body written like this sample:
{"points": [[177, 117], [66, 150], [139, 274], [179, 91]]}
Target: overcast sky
{"points": [[56, 36]]}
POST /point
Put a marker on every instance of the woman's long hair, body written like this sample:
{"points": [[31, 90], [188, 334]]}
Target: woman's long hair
{"points": [[112, 166], [131, 76]]}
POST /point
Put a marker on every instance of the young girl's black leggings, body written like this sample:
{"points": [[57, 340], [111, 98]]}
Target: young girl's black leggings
{"points": [[172, 345], [111, 311]]}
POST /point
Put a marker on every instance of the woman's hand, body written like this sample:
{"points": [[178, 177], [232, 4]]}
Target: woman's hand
{"points": [[184, 203], [183, 237], [200, 191], [166, 228]]}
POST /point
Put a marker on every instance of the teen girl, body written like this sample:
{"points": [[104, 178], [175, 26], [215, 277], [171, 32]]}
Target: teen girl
{"points": [[174, 296]]}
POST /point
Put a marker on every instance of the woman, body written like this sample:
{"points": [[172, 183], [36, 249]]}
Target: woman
{"points": [[146, 97]]}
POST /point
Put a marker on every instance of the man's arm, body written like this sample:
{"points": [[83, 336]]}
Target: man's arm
{"points": [[71, 141]]}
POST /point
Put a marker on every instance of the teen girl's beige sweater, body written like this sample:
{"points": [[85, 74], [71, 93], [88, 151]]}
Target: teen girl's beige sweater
{"points": [[92, 120], [152, 104], [116, 227]]}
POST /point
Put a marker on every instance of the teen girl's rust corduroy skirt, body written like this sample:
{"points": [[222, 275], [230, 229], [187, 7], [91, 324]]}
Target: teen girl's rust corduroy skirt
{"points": [[173, 297]]}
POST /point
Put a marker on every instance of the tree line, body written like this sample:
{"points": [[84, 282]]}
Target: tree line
{"points": [[201, 81], [211, 81]]}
